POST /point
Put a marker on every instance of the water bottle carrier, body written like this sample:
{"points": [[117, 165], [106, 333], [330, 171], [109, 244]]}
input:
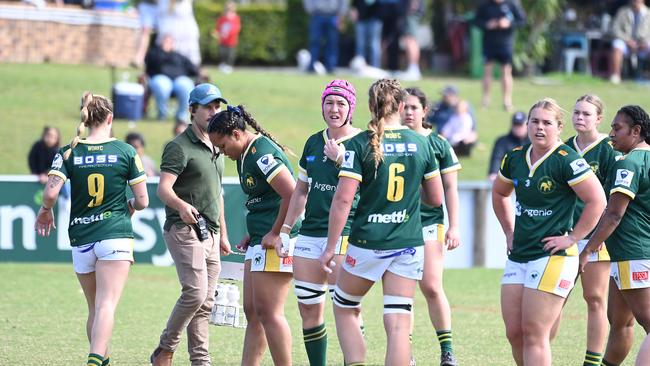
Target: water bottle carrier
{"points": [[226, 310]]}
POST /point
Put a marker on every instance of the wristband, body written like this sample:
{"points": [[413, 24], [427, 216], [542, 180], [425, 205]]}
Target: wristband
{"points": [[287, 227], [46, 208]]}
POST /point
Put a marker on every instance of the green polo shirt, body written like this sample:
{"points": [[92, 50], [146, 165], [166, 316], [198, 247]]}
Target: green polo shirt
{"points": [[199, 172]]}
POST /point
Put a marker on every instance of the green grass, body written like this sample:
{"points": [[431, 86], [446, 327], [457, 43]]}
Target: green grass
{"points": [[286, 104], [43, 312]]}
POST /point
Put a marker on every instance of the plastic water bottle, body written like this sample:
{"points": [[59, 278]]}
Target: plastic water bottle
{"points": [[232, 309], [218, 314]]}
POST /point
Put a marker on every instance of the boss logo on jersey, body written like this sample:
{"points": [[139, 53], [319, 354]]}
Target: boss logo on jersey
{"points": [[324, 187], [57, 162], [640, 276], [623, 177], [546, 185], [348, 159], [399, 148], [94, 159], [579, 165], [90, 219], [395, 217], [266, 163]]}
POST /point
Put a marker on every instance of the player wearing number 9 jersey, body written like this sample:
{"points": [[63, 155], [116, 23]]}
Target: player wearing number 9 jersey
{"points": [[99, 168], [389, 163]]}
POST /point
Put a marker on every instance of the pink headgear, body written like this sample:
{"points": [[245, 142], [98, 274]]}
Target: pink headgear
{"points": [[344, 89]]}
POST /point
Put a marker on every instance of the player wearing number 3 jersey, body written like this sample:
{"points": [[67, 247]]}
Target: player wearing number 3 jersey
{"points": [[99, 168], [389, 163]]}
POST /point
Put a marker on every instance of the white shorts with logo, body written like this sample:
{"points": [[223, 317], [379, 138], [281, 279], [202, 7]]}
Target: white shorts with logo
{"points": [[267, 260], [311, 247], [372, 264], [631, 274], [84, 257], [555, 274], [434, 232], [600, 256]]}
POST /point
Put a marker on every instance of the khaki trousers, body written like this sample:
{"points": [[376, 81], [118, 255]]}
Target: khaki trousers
{"points": [[197, 265]]}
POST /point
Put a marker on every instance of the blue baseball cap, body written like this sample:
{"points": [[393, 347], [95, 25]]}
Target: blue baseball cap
{"points": [[519, 118], [205, 93]]}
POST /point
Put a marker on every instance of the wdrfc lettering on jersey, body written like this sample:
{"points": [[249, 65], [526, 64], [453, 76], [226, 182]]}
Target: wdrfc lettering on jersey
{"points": [[95, 159]]}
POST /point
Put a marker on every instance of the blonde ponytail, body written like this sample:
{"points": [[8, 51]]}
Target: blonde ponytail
{"points": [[95, 109], [384, 98]]}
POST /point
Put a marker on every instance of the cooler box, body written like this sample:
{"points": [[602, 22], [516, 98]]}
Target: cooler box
{"points": [[128, 98]]}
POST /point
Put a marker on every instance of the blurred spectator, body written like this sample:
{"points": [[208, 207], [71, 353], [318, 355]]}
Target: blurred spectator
{"points": [[170, 72], [226, 30], [179, 127], [517, 136], [631, 30], [148, 13], [43, 152], [176, 19], [459, 130], [414, 13], [442, 111], [137, 141], [326, 17], [367, 29], [498, 19], [393, 16]]}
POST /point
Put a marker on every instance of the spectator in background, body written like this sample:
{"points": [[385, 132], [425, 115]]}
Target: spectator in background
{"points": [[393, 16], [326, 17], [147, 11], [631, 30], [137, 141], [179, 127], [517, 136], [367, 29], [176, 19], [459, 130], [446, 107], [226, 30], [170, 72], [414, 13], [43, 151], [498, 20]]}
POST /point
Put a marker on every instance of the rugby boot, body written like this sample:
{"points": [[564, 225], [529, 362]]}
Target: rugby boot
{"points": [[448, 359]]}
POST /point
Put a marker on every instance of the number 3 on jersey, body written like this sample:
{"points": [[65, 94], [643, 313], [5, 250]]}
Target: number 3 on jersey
{"points": [[395, 190], [96, 189]]}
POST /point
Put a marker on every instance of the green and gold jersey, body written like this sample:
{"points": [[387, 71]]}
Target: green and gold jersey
{"points": [[601, 157], [629, 176], [448, 162], [322, 176], [260, 163], [99, 173], [545, 199], [388, 213]]}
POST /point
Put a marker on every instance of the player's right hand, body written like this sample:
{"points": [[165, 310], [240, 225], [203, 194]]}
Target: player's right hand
{"points": [[326, 261], [244, 243], [188, 214]]}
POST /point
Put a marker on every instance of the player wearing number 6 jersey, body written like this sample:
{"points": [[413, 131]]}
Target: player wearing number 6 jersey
{"points": [[99, 168], [389, 163], [547, 177]]}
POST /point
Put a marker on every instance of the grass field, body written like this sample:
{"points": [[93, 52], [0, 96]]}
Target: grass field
{"points": [[287, 104], [42, 317]]}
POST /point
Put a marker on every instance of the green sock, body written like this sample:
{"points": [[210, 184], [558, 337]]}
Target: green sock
{"points": [[605, 363], [592, 358], [444, 338], [95, 359], [107, 361], [316, 345]]}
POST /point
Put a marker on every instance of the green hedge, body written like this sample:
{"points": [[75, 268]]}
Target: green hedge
{"points": [[270, 34]]}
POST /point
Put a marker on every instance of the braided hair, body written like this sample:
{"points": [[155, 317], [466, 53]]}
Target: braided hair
{"points": [[636, 116], [384, 98], [236, 118], [95, 109]]}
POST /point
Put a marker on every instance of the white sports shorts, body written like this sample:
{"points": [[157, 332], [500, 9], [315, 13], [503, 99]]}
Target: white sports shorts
{"points": [[600, 256], [267, 260], [434, 232], [631, 274], [372, 264], [554, 274], [84, 257], [311, 247]]}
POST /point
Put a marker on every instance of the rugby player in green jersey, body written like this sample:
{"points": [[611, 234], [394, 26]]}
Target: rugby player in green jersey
{"points": [[435, 238], [388, 163], [625, 226], [597, 150], [547, 177], [265, 175], [99, 168], [318, 176]]}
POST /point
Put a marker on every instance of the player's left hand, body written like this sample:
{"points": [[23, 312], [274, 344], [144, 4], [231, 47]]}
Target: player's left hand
{"points": [[583, 260], [270, 240], [327, 261], [44, 221], [333, 150], [554, 244], [452, 238]]}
